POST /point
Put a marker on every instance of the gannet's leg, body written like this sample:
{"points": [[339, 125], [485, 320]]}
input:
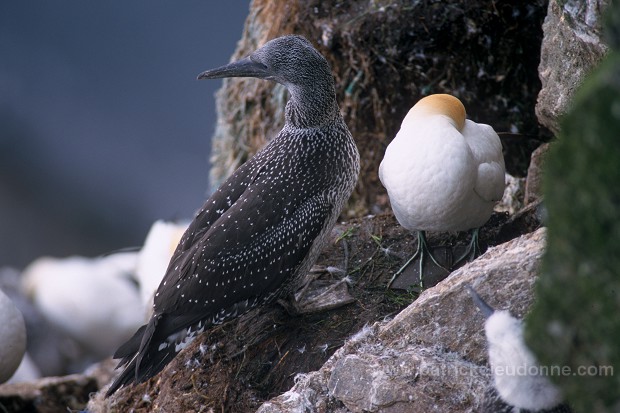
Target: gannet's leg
{"points": [[473, 249]]}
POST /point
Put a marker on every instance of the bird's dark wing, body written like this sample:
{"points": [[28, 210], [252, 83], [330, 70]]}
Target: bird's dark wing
{"points": [[247, 255], [230, 275], [219, 202], [249, 251], [139, 343], [224, 274], [235, 258]]}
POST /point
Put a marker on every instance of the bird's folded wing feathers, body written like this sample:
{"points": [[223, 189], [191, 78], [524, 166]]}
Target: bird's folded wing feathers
{"points": [[248, 251], [219, 202], [490, 183]]}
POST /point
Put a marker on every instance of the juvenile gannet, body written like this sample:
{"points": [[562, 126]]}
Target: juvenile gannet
{"points": [[258, 235]]}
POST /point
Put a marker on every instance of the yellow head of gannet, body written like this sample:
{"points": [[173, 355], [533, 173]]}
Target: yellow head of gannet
{"points": [[439, 104]]}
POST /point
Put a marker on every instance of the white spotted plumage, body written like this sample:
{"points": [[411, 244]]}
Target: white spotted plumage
{"points": [[262, 230]]}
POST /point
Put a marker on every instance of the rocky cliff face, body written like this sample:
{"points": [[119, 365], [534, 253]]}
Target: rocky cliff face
{"points": [[385, 56], [390, 357], [572, 46], [432, 355]]}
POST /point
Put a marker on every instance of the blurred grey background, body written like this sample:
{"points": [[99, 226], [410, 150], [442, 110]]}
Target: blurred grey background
{"points": [[103, 125]]}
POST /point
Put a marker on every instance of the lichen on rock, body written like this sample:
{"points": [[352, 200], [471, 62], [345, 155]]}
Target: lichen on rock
{"points": [[571, 47]]}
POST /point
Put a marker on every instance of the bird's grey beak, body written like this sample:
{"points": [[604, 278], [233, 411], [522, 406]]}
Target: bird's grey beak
{"points": [[486, 309], [241, 68]]}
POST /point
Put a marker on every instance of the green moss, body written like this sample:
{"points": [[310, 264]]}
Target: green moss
{"points": [[576, 319]]}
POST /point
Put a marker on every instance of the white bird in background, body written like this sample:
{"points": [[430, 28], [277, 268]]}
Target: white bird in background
{"points": [[516, 373], [12, 337], [442, 173], [94, 300], [154, 257]]}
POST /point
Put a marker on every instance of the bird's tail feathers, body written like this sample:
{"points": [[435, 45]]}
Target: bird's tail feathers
{"points": [[127, 376], [149, 351], [136, 352], [131, 347]]}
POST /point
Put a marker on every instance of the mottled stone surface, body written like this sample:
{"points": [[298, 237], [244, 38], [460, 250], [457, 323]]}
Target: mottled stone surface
{"points": [[572, 46], [432, 355], [577, 311], [48, 395], [533, 182], [513, 198]]}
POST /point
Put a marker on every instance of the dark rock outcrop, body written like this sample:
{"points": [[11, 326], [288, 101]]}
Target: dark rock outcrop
{"points": [[48, 395]]}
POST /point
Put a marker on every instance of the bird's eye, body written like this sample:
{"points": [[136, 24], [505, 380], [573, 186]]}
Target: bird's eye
{"points": [[258, 62]]}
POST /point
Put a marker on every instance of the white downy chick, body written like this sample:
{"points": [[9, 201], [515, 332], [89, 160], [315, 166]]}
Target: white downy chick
{"points": [[517, 376]]}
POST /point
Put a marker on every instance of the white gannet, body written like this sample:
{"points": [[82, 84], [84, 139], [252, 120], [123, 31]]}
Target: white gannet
{"points": [[94, 300], [154, 257], [442, 172]]}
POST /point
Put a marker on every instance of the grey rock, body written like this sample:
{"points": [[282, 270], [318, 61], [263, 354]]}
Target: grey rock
{"points": [[432, 355], [513, 198], [572, 46], [575, 321], [403, 381], [533, 183]]}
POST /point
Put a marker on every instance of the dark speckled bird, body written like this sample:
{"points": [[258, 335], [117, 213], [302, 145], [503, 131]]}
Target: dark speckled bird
{"points": [[258, 235]]}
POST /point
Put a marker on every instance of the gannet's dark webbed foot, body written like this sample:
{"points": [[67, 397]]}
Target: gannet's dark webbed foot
{"points": [[473, 249], [427, 251], [409, 261], [421, 251]]}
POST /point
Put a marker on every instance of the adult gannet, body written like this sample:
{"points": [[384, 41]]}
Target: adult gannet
{"points": [[442, 172]]}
